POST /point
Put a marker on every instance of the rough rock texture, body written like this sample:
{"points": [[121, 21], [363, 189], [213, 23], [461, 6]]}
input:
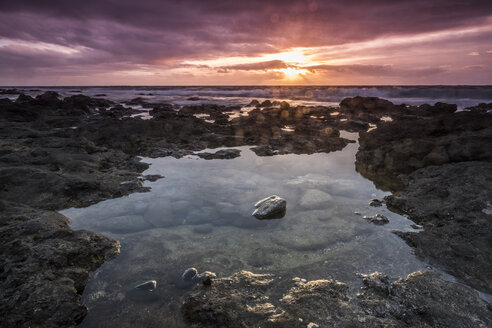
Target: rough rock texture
{"points": [[440, 171], [44, 267], [46, 163], [450, 202], [398, 148], [251, 300]]}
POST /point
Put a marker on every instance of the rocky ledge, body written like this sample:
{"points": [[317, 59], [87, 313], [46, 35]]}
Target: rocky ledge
{"points": [[44, 267], [452, 202], [250, 300], [438, 164]]}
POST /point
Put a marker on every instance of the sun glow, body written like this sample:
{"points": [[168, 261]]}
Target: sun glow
{"points": [[292, 72], [290, 57]]}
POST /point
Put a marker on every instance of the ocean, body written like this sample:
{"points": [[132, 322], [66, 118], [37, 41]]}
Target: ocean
{"points": [[463, 96]]}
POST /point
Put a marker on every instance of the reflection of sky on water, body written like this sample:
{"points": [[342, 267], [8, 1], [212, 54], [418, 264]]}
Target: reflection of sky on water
{"points": [[200, 215]]}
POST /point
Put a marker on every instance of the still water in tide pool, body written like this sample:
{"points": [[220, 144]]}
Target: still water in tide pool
{"points": [[199, 215]]}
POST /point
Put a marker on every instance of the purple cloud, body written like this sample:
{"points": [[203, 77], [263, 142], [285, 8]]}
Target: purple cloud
{"points": [[119, 34]]}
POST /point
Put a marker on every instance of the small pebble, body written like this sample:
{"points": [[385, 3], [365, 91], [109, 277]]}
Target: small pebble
{"points": [[189, 274], [375, 203], [148, 285], [378, 219]]}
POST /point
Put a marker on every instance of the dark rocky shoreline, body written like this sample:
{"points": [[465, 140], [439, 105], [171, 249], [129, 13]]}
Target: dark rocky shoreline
{"points": [[73, 152], [439, 168]]}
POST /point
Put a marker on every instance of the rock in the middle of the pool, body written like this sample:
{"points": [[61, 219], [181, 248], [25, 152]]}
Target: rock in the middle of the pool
{"points": [[272, 207]]}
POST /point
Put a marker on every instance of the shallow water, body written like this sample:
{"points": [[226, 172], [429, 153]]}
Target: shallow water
{"points": [[199, 215]]}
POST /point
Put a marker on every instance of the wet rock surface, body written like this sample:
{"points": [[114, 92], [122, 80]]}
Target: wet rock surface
{"points": [[422, 299]]}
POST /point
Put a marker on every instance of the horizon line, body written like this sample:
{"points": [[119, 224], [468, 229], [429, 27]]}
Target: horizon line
{"points": [[242, 85]]}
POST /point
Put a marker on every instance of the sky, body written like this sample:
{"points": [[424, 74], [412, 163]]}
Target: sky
{"points": [[248, 42]]}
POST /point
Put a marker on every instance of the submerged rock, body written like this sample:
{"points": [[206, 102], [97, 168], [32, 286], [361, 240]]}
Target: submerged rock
{"points": [[315, 197], [149, 285], [272, 207], [189, 274], [378, 219], [189, 278]]}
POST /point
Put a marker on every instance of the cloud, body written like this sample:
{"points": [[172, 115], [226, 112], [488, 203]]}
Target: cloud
{"points": [[164, 33], [178, 27], [259, 66], [376, 70]]}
